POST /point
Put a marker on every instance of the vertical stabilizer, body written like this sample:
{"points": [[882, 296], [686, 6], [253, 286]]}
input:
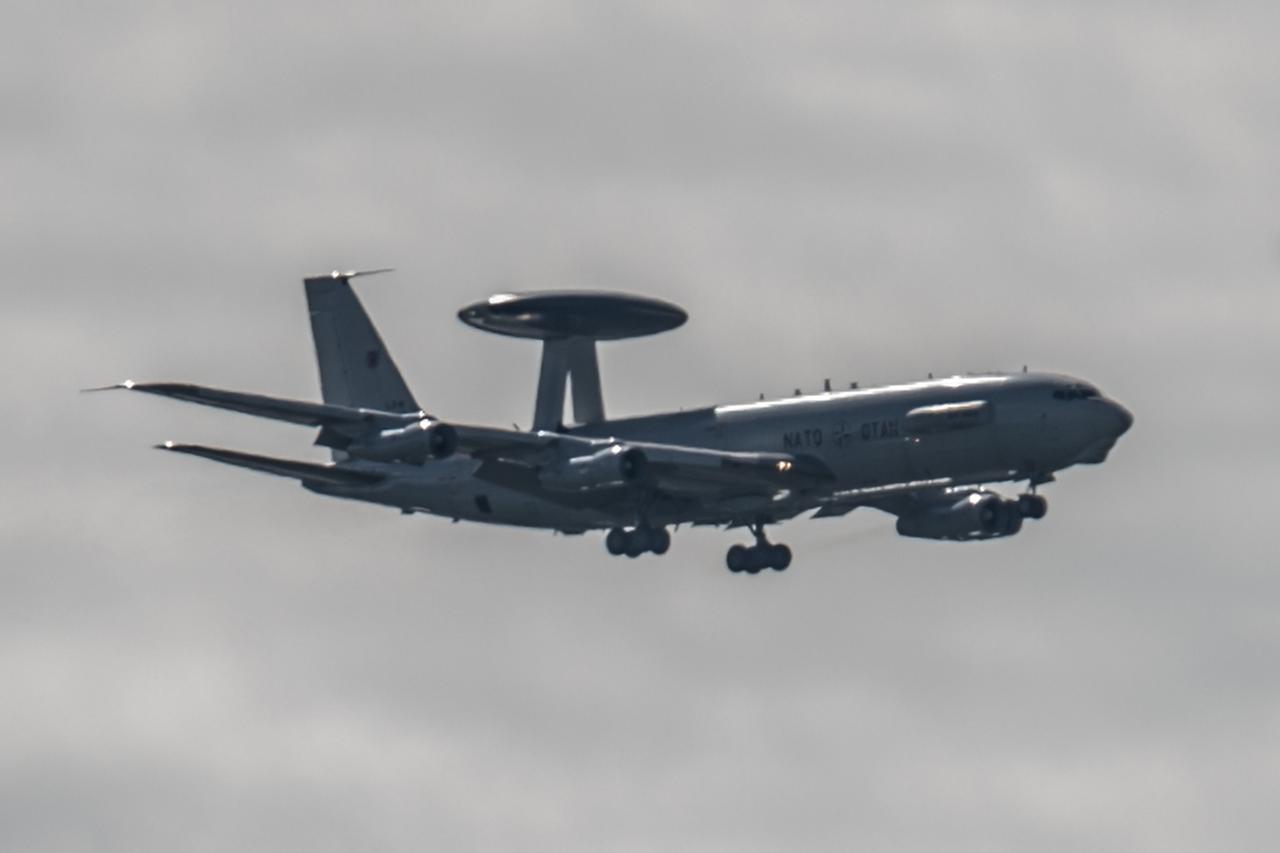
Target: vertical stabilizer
{"points": [[355, 367]]}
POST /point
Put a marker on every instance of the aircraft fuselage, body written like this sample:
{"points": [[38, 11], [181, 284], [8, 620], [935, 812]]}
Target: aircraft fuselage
{"points": [[924, 452], [969, 429]]}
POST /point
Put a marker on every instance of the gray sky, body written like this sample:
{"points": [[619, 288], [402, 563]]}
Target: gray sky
{"points": [[197, 658]]}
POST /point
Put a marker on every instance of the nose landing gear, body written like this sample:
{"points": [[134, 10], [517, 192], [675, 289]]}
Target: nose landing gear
{"points": [[1008, 514], [758, 557], [1032, 506]]}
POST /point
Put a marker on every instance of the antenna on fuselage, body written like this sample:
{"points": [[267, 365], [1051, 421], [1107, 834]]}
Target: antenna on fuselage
{"points": [[569, 323]]}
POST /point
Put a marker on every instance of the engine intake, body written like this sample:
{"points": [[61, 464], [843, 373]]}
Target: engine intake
{"points": [[613, 466], [416, 443], [977, 515]]}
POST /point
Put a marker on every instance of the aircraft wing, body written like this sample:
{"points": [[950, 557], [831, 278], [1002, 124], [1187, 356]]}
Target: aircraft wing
{"points": [[260, 405], [672, 469], [307, 472], [687, 469], [847, 500], [512, 445]]}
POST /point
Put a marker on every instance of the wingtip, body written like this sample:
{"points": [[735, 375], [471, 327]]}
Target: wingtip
{"points": [[165, 445], [359, 273], [126, 385]]}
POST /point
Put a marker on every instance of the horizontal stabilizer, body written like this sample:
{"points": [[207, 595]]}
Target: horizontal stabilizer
{"points": [[308, 472], [276, 408]]}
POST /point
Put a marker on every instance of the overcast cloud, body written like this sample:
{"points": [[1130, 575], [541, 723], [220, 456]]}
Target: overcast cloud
{"points": [[199, 658]]}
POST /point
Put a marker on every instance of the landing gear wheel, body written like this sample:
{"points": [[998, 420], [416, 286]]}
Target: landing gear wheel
{"points": [[659, 541], [615, 542], [760, 556], [1033, 506], [637, 544]]}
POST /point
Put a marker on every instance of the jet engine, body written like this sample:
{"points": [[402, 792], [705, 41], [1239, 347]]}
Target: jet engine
{"points": [[976, 515], [612, 466], [417, 442]]}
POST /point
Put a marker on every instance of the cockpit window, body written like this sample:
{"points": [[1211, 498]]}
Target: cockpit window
{"points": [[1075, 392]]}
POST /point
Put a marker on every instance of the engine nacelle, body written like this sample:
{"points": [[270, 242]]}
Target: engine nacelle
{"points": [[977, 515], [416, 443], [612, 466]]}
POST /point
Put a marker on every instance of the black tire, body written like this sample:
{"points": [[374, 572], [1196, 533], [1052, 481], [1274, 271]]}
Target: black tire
{"points": [[779, 558], [659, 541], [736, 558], [636, 545], [615, 542], [1033, 506]]}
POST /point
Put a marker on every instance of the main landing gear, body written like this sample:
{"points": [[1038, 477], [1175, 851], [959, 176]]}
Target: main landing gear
{"points": [[640, 540], [758, 557]]}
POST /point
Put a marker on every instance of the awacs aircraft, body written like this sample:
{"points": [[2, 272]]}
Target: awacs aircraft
{"points": [[922, 451]]}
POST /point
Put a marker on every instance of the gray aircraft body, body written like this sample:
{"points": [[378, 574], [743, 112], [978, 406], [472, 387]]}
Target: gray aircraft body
{"points": [[922, 451]]}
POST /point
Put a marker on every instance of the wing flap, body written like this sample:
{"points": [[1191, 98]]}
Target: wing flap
{"points": [[307, 472]]}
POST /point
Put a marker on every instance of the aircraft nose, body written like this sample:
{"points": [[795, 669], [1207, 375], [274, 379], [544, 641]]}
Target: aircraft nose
{"points": [[1122, 418]]}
